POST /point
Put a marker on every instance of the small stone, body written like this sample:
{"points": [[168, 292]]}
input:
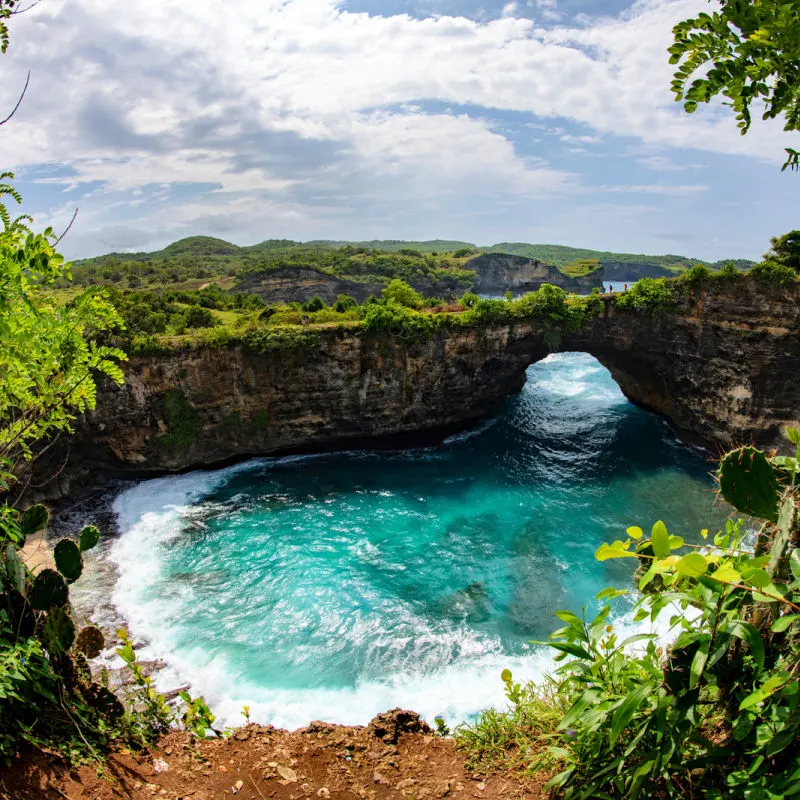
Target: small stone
{"points": [[238, 785], [287, 773], [481, 787], [272, 764], [137, 785], [324, 792], [378, 778], [459, 787], [159, 766], [406, 783], [222, 768]]}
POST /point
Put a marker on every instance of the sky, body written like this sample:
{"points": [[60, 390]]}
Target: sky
{"points": [[547, 121]]}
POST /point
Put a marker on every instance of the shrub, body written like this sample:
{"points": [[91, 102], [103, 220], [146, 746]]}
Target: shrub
{"points": [[728, 271], [199, 317], [773, 273], [314, 304], [344, 302], [655, 295], [697, 273], [469, 299], [402, 294], [402, 322]]}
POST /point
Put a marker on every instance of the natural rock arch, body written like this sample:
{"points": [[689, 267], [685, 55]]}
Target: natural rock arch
{"points": [[722, 367]]}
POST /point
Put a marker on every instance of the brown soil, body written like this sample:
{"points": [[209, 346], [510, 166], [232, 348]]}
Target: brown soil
{"points": [[395, 756]]}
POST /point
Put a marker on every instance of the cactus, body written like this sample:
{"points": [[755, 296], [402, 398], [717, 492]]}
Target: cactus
{"points": [[68, 560], [749, 483], [90, 642], [49, 589], [34, 520], [90, 536], [59, 631], [15, 569]]}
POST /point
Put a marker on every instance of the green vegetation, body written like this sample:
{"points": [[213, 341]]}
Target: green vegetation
{"points": [[785, 250], [581, 267], [653, 295], [713, 715], [747, 52], [50, 355]]}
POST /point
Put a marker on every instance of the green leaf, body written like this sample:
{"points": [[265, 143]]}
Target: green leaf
{"points": [[570, 648], [90, 536], [794, 563], [635, 532], [506, 675], [698, 665], [726, 573], [34, 520], [68, 559], [750, 635], [625, 711], [615, 550], [692, 565], [784, 623], [659, 539]]}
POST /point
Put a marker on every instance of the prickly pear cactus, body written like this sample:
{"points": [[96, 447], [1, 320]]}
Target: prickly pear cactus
{"points": [[90, 642], [90, 536], [34, 520], [749, 483], [68, 560], [59, 631], [104, 701], [15, 570], [49, 589]]}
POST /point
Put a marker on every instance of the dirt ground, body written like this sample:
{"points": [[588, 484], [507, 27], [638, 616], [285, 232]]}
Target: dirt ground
{"points": [[395, 756]]}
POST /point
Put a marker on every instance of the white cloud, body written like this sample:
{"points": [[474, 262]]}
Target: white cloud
{"points": [[295, 103]]}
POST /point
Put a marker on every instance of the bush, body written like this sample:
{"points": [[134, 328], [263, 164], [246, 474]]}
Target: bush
{"points": [[655, 295], [402, 294], [199, 317], [402, 322], [314, 304], [344, 302], [773, 273], [697, 273], [469, 299], [729, 271]]}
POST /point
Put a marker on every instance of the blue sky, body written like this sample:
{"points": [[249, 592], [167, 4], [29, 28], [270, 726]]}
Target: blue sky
{"points": [[539, 120]]}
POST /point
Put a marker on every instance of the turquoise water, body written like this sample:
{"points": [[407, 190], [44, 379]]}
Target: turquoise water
{"points": [[337, 586]]}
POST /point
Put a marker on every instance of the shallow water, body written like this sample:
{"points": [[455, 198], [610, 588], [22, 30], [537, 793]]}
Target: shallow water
{"points": [[337, 586]]}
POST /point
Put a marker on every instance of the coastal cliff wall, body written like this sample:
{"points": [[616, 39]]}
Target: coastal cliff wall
{"points": [[497, 273], [722, 366]]}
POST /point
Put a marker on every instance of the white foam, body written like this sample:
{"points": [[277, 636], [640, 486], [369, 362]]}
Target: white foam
{"points": [[155, 513]]}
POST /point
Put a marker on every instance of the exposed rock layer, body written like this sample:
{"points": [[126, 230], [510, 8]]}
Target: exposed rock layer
{"points": [[723, 367], [497, 273]]}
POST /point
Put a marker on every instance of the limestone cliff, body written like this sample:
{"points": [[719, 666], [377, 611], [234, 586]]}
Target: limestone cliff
{"points": [[300, 285], [497, 273], [723, 367]]}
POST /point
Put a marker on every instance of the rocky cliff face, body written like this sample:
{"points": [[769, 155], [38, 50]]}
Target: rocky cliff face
{"points": [[300, 285], [722, 367], [497, 273]]}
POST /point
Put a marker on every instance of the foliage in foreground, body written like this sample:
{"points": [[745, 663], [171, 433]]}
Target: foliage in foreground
{"points": [[749, 53], [49, 358], [715, 715]]}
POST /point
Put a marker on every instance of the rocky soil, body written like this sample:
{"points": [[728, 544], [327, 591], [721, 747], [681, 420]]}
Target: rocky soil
{"points": [[395, 756]]}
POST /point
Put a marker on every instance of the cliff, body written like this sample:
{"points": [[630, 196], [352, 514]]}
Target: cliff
{"points": [[722, 367], [497, 273], [300, 285]]}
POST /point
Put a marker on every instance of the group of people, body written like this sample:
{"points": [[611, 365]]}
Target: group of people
{"points": [[611, 288]]}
